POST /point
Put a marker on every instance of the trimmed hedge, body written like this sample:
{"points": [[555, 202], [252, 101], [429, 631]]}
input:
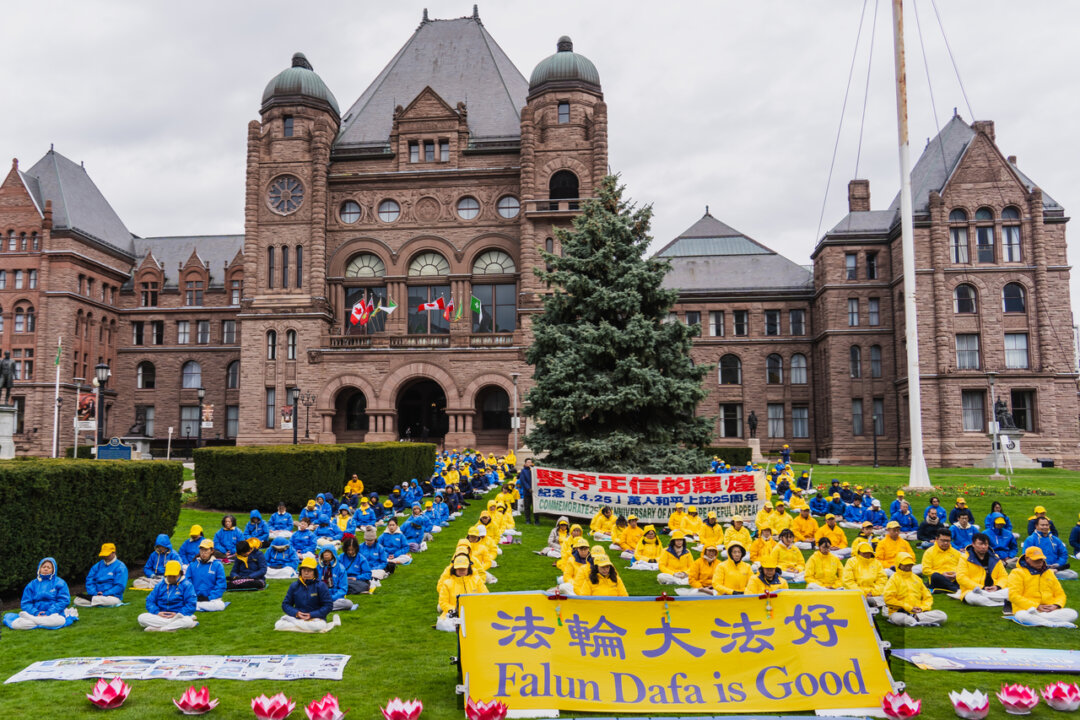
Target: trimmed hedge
{"points": [[730, 455], [383, 465], [84, 452], [67, 508], [247, 477]]}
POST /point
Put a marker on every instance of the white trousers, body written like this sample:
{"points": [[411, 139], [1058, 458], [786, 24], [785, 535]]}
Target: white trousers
{"points": [[645, 565], [154, 623], [841, 552], [378, 574], [804, 545], [446, 624], [915, 570], [790, 576], [980, 598], [627, 555], [669, 579], [26, 621], [490, 579], [930, 617], [344, 604], [566, 588], [436, 529], [550, 552], [98, 601], [210, 605], [145, 583], [287, 623], [402, 559], [910, 535], [281, 573], [601, 537], [691, 591], [815, 586], [850, 525], [1056, 618], [280, 534], [1067, 575]]}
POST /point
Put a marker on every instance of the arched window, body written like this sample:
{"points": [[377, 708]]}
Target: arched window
{"points": [[284, 267], [270, 267], [290, 345], [35, 242], [875, 361], [798, 369], [958, 215], [774, 370], [1010, 235], [1012, 296], [730, 370], [429, 264], [232, 375], [299, 265], [20, 319], [856, 361], [12, 246], [563, 186], [145, 375], [958, 236], [31, 325], [192, 375], [964, 299], [271, 345], [365, 265], [22, 238], [984, 235], [493, 262], [88, 325], [984, 214]]}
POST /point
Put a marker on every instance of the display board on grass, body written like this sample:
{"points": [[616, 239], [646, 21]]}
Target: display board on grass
{"points": [[188, 667], [797, 650], [993, 659], [650, 497]]}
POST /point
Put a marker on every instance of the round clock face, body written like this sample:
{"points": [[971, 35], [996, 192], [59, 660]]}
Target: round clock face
{"points": [[286, 194]]}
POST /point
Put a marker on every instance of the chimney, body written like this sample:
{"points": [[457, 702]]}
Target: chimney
{"points": [[1012, 159], [984, 126], [858, 196]]}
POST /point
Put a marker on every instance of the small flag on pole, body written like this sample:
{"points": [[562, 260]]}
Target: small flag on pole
{"points": [[389, 307], [357, 311], [460, 311], [477, 308], [448, 312], [57, 361], [439, 304]]}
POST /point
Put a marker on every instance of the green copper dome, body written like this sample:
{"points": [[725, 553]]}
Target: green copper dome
{"points": [[565, 67], [298, 83]]}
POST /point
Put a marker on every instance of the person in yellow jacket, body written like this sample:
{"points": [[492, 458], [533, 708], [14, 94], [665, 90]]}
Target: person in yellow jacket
{"points": [[805, 528], [701, 572], [736, 532], [1036, 594], [570, 566], [602, 579], [767, 579], [837, 539], [617, 532], [762, 546], [691, 523], [764, 517], [980, 574], [602, 524], [711, 532], [789, 558], [556, 538], [907, 601], [505, 517], [797, 502], [567, 544], [732, 574], [891, 546], [511, 459], [465, 580], [676, 518], [864, 573], [675, 561], [629, 538], [355, 486], [939, 563], [780, 520], [481, 555], [824, 570], [462, 548], [491, 535], [647, 551]]}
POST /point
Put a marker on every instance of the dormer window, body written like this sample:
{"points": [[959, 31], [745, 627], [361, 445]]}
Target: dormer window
{"points": [[564, 113], [149, 292], [193, 293], [287, 125]]}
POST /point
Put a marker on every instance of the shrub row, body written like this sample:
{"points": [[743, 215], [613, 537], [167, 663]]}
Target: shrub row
{"points": [[383, 465], [731, 455], [67, 508]]}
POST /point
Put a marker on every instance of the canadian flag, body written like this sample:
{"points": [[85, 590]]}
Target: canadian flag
{"points": [[439, 304], [357, 311]]}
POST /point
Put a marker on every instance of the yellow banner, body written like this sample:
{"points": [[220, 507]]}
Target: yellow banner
{"points": [[798, 650]]}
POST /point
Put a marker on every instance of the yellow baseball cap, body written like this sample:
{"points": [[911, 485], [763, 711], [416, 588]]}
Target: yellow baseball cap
{"points": [[736, 518], [602, 560], [310, 504], [1034, 553], [309, 562], [254, 543], [195, 531], [691, 509], [461, 562], [579, 543], [1039, 509], [836, 495], [206, 543], [769, 561], [899, 493], [106, 550], [768, 505], [960, 501], [779, 503], [388, 504], [172, 567], [892, 524], [710, 516], [830, 516], [678, 535], [999, 521], [631, 517]]}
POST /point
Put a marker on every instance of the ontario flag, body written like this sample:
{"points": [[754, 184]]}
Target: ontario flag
{"points": [[448, 312], [439, 304]]}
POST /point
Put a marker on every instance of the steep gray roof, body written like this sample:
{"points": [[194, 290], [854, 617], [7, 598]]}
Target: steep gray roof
{"points": [[711, 256], [172, 252], [462, 63], [77, 204], [864, 223]]}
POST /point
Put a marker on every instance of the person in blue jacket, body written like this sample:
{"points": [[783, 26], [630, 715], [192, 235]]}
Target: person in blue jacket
{"points": [[280, 523], [375, 555], [207, 577], [961, 508], [189, 549], [894, 506], [836, 505], [395, 544], [307, 603], [785, 454], [323, 509], [846, 493], [154, 569], [282, 562], [376, 506], [1057, 557], [1074, 541], [363, 517], [819, 505], [438, 482], [106, 581], [249, 567], [935, 504], [991, 517], [440, 513], [802, 481], [303, 540], [412, 528], [1040, 512], [332, 574], [226, 538], [854, 514], [356, 567], [171, 604], [44, 603], [908, 522], [876, 515], [256, 528], [397, 499], [309, 512], [328, 534], [962, 533], [1002, 540]]}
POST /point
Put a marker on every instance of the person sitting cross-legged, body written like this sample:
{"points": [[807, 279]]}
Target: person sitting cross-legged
{"points": [[154, 569], [824, 571], [282, 562], [838, 544], [733, 573], [908, 602], [1036, 595], [767, 579], [1054, 552], [864, 573], [789, 558], [463, 580], [940, 561], [249, 567], [675, 561], [702, 571], [44, 603], [307, 603], [207, 576], [890, 547], [981, 575], [171, 604], [602, 579], [106, 581]]}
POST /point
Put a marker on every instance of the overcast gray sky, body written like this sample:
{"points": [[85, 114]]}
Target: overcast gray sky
{"points": [[730, 104]]}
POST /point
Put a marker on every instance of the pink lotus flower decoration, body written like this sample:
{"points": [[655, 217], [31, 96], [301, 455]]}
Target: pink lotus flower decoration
{"points": [[1062, 696], [1018, 699], [900, 706], [970, 705], [480, 710], [109, 694], [398, 709], [325, 709], [277, 707], [195, 702]]}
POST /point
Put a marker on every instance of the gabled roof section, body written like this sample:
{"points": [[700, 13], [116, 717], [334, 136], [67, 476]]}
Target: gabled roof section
{"points": [[462, 63], [33, 189], [709, 237], [77, 204], [172, 253], [936, 164]]}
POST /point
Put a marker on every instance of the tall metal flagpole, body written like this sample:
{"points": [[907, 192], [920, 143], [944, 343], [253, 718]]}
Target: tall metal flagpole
{"points": [[919, 477], [56, 402]]}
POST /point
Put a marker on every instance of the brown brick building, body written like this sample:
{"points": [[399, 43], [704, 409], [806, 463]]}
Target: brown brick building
{"points": [[439, 183]]}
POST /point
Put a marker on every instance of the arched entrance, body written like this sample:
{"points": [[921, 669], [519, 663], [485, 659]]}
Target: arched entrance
{"points": [[421, 408], [492, 420], [350, 415]]}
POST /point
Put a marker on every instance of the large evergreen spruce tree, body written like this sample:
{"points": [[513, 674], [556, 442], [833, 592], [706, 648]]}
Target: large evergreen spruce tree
{"points": [[615, 388]]}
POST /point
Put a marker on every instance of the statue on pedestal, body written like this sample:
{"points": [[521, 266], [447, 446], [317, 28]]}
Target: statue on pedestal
{"points": [[7, 377], [752, 423], [1003, 416]]}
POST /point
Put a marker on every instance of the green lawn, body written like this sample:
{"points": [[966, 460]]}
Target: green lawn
{"points": [[395, 651]]}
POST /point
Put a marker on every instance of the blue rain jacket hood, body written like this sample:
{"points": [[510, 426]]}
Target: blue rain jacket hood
{"points": [[155, 564]]}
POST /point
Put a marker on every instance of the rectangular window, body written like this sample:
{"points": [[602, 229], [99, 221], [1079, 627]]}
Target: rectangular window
{"points": [[1016, 351], [18, 279], [1023, 408], [414, 152], [853, 312], [33, 279], [137, 333], [871, 266], [149, 294], [444, 151], [741, 320], [183, 332], [776, 420], [203, 330], [189, 421], [287, 125], [772, 322], [20, 413], [856, 417], [671, 318], [972, 402], [147, 413], [716, 323], [498, 308], [851, 266], [873, 311], [271, 407], [228, 332], [429, 322], [235, 287], [89, 287], [797, 322], [429, 151], [1011, 246], [3, 279], [564, 113], [731, 420], [984, 244], [693, 317], [800, 422], [875, 361], [879, 416], [157, 332], [958, 244], [967, 352], [232, 421]]}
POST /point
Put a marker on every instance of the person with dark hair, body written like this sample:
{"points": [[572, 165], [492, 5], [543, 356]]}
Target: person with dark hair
{"points": [[154, 569], [375, 555], [995, 510], [333, 575], [1054, 552], [1036, 595], [207, 577], [280, 523], [929, 528], [356, 567], [601, 580], [981, 575], [226, 538], [767, 580], [935, 505], [45, 601], [789, 559], [702, 571], [675, 561], [960, 510], [962, 531], [864, 573], [307, 603], [940, 561], [824, 571], [1002, 539], [908, 602], [524, 483], [249, 567], [733, 573]]}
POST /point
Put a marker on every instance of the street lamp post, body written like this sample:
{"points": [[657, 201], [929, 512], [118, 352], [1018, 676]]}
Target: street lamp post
{"points": [[875, 416], [990, 377], [295, 417], [101, 374], [308, 399], [202, 395], [516, 421]]}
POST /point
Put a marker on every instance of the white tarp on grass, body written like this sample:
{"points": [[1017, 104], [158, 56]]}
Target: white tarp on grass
{"points": [[188, 667]]}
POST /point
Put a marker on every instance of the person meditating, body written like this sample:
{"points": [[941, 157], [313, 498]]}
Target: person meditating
{"points": [[171, 604], [307, 603]]}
